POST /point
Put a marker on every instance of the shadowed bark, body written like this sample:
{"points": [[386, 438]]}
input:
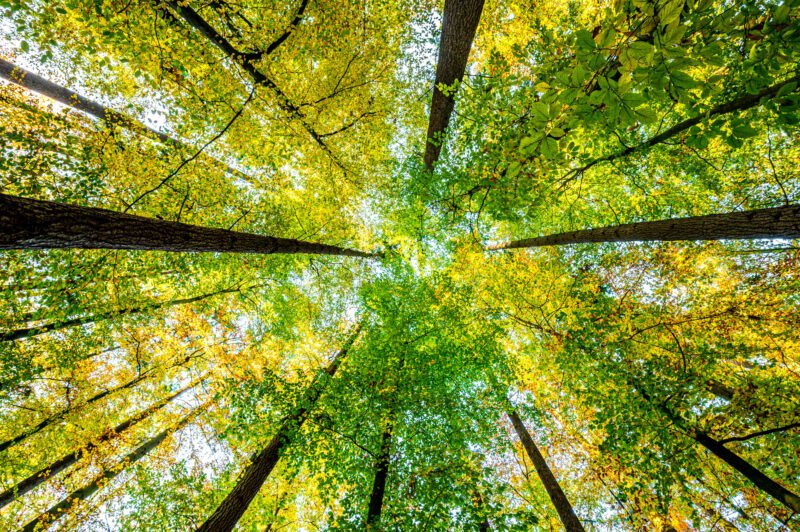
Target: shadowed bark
{"points": [[35, 224], [19, 76], [83, 493], [776, 222], [235, 504], [381, 473], [460, 20], [44, 474], [560, 501]]}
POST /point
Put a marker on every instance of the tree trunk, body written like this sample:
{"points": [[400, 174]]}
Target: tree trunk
{"points": [[776, 222], [381, 473], [36, 479], [460, 20], [29, 332], [235, 504], [28, 80], [754, 475], [81, 494], [560, 501], [35, 224], [97, 397]]}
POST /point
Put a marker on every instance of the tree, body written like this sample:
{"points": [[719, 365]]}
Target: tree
{"points": [[149, 147], [777, 222], [35, 224], [235, 504]]}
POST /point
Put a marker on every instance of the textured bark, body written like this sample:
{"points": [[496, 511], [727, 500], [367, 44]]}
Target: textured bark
{"points": [[36, 224], [381, 473], [235, 504], [19, 76], [460, 20], [776, 222], [44, 474], [560, 501], [754, 475], [83, 493], [97, 397], [28, 332], [741, 104]]}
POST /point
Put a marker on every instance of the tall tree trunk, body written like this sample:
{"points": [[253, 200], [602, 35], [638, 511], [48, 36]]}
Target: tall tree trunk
{"points": [[29, 332], [83, 493], [560, 501], [97, 397], [44, 474], [381, 473], [35, 224], [235, 504], [776, 222], [460, 20], [28, 80], [753, 474]]}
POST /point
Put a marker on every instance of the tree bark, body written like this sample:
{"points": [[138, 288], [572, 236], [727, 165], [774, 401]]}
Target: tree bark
{"points": [[460, 20], [28, 80], [44, 474], [18, 334], [235, 504], [35, 224], [97, 397], [560, 501], [381, 473], [776, 222], [81, 494]]}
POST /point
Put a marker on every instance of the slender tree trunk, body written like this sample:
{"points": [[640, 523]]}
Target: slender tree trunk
{"points": [[81, 494], [97, 397], [753, 474], [35, 224], [235, 504], [381, 473], [560, 501], [28, 80], [776, 222], [460, 20], [44, 474], [29, 332]]}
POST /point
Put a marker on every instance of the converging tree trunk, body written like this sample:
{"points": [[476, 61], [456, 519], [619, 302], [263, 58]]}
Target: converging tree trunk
{"points": [[28, 332], [81, 494], [460, 21], [36, 224], [718, 449], [381, 473], [44, 474], [560, 501], [35, 83], [97, 397], [235, 504], [776, 222]]}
